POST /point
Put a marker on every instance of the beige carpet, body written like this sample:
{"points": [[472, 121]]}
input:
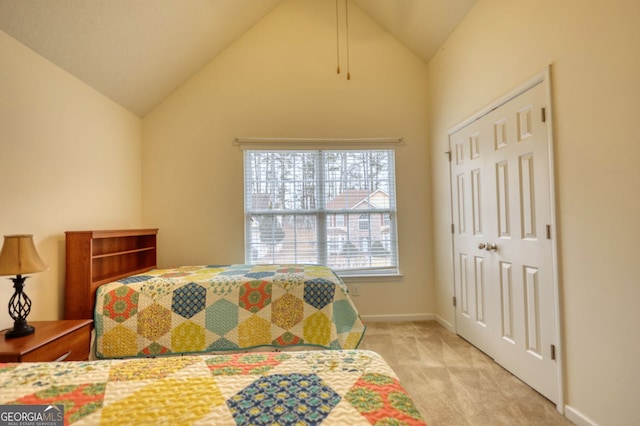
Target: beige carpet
{"points": [[452, 382]]}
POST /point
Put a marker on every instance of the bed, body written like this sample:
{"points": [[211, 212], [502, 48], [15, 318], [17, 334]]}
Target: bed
{"points": [[339, 387], [140, 310], [187, 345], [213, 308]]}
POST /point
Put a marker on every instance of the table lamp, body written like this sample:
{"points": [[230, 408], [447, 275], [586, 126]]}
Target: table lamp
{"points": [[18, 257]]}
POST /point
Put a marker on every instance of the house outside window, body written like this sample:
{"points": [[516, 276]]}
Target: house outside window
{"points": [[329, 207]]}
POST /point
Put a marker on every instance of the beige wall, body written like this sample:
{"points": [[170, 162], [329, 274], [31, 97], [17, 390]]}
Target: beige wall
{"points": [[279, 80], [69, 159], [595, 56]]}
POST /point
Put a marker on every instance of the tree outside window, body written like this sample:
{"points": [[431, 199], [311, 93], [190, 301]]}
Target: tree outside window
{"points": [[335, 208]]}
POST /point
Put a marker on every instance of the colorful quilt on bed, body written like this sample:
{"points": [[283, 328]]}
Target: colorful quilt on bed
{"points": [[317, 387], [196, 309]]}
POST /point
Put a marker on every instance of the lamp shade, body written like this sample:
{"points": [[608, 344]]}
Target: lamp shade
{"points": [[19, 256]]}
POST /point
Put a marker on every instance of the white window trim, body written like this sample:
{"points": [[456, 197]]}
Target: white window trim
{"points": [[324, 144]]}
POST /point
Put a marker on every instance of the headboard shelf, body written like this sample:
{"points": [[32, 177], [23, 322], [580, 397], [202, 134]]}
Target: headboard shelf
{"points": [[97, 257], [98, 281], [122, 253]]}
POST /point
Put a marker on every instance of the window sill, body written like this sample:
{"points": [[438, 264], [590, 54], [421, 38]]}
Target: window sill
{"points": [[371, 278]]}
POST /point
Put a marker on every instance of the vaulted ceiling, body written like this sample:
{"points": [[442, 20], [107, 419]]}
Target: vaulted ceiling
{"points": [[137, 52]]}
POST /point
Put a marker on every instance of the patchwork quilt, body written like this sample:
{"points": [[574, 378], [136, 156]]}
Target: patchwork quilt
{"points": [[197, 309], [344, 387]]}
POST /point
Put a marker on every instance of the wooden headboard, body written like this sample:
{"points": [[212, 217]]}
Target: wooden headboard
{"points": [[94, 258]]}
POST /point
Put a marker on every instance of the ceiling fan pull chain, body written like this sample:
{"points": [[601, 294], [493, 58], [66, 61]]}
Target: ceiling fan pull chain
{"points": [[337, 38], [346, 8]]}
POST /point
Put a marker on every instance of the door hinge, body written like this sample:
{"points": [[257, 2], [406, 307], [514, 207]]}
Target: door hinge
{"points": [[553, 352], [454, 301], [543, 114], [448, 155], [453, 228], [548, 232]]}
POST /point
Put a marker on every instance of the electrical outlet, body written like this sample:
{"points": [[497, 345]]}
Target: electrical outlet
{"points": [[355, 290]]}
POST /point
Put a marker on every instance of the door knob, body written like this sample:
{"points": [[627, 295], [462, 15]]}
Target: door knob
{"points": [[482, 246], [491, 247]]}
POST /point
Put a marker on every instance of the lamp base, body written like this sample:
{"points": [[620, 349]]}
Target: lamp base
{"points": [[20, 329], [19, 308]]}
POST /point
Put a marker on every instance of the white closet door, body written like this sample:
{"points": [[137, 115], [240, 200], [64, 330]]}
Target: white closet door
{"points": [[503, 254]]}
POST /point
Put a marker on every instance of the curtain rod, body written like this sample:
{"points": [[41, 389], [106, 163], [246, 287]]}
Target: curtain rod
{"points": [[296, 143]]}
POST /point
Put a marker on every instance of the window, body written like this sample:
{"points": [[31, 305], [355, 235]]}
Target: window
{"points": [[330, 207], [363, 222]]}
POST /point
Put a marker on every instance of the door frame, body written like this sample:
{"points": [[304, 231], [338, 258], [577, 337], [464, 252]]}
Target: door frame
{"points": [[541, 77]]}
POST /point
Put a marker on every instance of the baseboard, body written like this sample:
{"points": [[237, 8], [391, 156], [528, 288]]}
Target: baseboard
{"points": [[409, 317], [446, 324], [398, 317], [577, 417]]}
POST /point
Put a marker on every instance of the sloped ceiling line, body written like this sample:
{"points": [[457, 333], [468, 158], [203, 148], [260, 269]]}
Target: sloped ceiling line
{"points": [[138, 52]]}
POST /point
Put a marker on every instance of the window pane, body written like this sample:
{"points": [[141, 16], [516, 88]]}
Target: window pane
{"points": [[281, 180], [327, 207], [354, 245], [358, 179], [284, 239]]}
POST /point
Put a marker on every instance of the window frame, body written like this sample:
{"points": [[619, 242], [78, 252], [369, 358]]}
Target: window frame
{"points": [[322, 215]]}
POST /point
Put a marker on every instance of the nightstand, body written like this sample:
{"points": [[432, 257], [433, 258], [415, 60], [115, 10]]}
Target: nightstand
{"points": [[64, 340]]}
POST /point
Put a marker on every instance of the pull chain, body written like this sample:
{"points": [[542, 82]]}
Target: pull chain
{"points": [[337, 38], [346, 9]]}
